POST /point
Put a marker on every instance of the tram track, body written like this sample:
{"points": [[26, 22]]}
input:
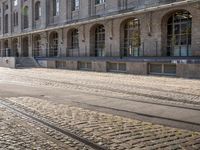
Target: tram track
{"points": [[131, 93], [116, 84], [146, 132], [184, 106], [51, 125], [107, 129], [146, 117]]}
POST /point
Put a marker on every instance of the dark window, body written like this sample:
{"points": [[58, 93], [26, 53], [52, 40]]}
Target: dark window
{"points": [[100, 1], [75, 5], [56, 7], [26, 22], [6, 24], [38, 12], [15, 18]]}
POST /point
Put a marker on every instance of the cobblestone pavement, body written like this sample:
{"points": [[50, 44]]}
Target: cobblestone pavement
{"points": [[117, 133], [114, 132], [17, 133], [145, 88]]}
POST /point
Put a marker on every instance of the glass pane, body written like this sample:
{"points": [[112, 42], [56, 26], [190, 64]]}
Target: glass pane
{"points": [[170, 20], [177, 39], [169, 30], [136, 51], [177, 29], [184, 28], [176, 51], [183, 50], [184, 40]]}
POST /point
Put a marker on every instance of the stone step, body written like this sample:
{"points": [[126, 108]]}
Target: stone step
{"points": [[26, 62]]}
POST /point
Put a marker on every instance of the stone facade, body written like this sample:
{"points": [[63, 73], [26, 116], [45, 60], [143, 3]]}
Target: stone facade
{"points": [[68, 28]]}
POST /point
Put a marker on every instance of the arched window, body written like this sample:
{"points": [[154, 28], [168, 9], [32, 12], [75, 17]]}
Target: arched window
{"points": [[38, 12], [25, 14], [75, 39], [53, 51], [131, 38], [179, 29], [100, 41]]}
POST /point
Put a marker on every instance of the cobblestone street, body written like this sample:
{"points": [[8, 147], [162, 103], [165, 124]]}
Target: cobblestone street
{"points": [[17, 134], [53, 96]]}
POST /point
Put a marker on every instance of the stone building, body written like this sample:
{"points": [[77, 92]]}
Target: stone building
{"points": [[133, 36]]}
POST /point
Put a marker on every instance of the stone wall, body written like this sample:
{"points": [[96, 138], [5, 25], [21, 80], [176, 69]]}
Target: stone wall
{"points": [[8, 62], [152, 28], [188, 70]]}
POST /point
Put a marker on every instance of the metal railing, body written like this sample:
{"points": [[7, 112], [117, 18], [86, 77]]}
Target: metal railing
{"points": [[73, 52], [130, 52], [99, 52], [52, 52], [146, 49], [36, 52]]}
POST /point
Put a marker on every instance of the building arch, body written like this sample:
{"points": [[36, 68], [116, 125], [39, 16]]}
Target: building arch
{"points": [[177, 33], [97, 40], [130, 40], [53, 44]]}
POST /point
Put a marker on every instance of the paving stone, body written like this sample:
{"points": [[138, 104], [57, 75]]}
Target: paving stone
{"points": [[123, 134]]}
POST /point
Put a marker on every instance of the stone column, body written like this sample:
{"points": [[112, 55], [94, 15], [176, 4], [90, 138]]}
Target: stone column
{"points": [[44, 13], [2, 19], [30, 15], [109, 38], [44, 45], [30, 47], [10, 17], [9, 52], [19, 16], [64, 9], [61, 51], [69, 10], [82, 41], [92, 8], [1, 48], [19, 45]]}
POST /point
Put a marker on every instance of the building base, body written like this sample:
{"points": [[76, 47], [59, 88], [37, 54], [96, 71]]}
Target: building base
{"points": [[179, 67]]}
